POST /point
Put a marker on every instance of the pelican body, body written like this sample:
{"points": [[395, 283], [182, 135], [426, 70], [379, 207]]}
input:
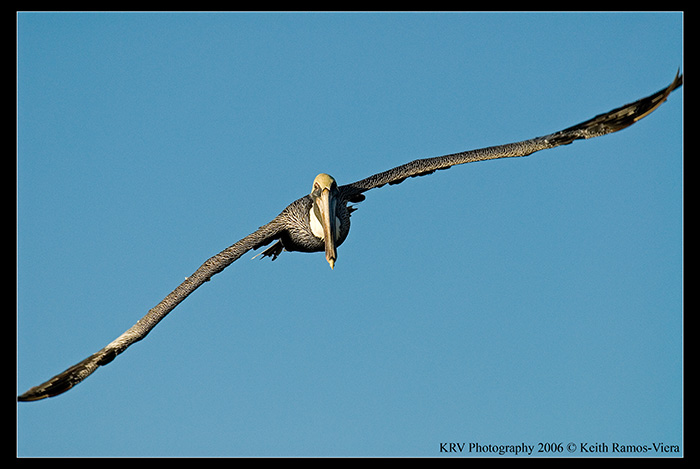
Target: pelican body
{"points": [[320, 222]]}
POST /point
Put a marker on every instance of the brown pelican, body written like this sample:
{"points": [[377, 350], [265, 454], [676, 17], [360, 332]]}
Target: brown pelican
{"points": [[320, 221]]}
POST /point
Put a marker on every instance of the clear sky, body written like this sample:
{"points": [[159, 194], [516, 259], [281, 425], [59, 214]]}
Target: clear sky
{"points": [[518, 301]]}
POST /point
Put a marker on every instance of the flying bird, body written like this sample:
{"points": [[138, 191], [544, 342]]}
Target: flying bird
{"points": [[320, 222]]}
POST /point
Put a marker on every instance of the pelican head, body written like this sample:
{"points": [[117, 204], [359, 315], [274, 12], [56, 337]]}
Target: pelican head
{"points": [[324, 223]]}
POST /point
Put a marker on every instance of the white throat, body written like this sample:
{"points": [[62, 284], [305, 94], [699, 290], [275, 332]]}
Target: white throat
{"points": [[317, 226]]}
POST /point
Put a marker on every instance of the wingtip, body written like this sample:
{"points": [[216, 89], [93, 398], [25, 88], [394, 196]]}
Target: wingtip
{"points": [[51, 388], [30, 397], [678, 81]]}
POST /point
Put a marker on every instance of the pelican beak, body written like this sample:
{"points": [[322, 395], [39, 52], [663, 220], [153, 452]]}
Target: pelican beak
{"points": [[324, 222], [327, 204]]}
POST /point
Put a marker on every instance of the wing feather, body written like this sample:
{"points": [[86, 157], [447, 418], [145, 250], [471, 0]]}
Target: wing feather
{"points": [[606, 123], [76, 373]]}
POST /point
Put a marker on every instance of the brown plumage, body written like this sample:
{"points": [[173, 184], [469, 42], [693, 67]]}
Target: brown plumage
{"points": [[308, 224]]}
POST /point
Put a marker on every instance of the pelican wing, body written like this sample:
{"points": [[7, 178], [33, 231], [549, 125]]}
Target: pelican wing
{"points": [[611, 121], [75, 374]]}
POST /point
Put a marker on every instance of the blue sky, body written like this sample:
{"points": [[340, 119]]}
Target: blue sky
{"points": [[513, 301]]}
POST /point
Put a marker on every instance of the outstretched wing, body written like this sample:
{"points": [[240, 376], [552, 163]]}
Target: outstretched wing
{"points": [[75, 374], [612, 121]]}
